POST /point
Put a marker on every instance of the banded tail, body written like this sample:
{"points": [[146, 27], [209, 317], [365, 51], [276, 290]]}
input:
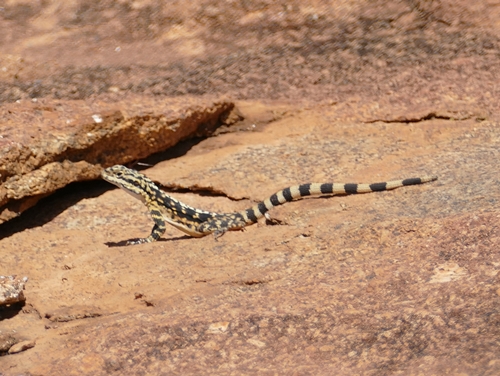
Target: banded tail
{"points": [[297, 191]]}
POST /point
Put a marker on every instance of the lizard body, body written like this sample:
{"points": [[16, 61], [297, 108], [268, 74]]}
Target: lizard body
{"points": [[198, 223]]}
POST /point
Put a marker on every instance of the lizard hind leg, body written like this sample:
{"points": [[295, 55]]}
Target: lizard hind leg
{"points": [[219, 225]]}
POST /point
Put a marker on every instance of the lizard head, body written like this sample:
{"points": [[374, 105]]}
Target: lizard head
{"points": [[130, 181]]}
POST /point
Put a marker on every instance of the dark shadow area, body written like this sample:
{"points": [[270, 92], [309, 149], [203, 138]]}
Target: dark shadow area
{"points": [[270, 221], [200, 191], [10, 310], [123, 243], [174, 152], [50, 207]]}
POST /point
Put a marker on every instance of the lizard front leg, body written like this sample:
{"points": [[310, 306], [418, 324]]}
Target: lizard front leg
{"points": [[157, 231]]}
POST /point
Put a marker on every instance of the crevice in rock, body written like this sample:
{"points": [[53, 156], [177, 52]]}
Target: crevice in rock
{"points": [[199, 190], [429, 116], [77, 312], [68, 318], [249, 282]]}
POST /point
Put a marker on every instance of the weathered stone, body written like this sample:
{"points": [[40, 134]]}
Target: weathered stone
{"points": [[7, 340], [21, 346], [66, 142], [11, 289]]}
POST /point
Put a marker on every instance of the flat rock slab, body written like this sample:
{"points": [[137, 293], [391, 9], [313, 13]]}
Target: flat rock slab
{"points": [[47, 144], [399, 281]]}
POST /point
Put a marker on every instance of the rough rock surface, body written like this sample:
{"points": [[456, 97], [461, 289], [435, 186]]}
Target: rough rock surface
{"points": [[401, 282], [71, 141], [12, 289]]}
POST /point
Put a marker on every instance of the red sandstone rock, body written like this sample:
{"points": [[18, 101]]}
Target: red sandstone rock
{"points": [[402, 282]]}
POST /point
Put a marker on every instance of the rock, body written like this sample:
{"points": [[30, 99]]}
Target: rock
{"points": [[71, 142], [11, 289], [22, 346], [7, 340]]}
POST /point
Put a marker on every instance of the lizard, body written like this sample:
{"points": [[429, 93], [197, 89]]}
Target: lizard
{"points": [[198, 223]]}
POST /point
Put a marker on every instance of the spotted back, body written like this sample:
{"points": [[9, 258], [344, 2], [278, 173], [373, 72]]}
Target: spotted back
{"points": [[131, 181]]}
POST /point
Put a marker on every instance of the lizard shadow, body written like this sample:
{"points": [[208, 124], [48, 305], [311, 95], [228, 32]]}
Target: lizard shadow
{"points": [[123, 243]]}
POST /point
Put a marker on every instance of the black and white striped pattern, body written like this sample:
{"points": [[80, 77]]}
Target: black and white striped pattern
{"points": [[197, 223], [289, 194]]}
